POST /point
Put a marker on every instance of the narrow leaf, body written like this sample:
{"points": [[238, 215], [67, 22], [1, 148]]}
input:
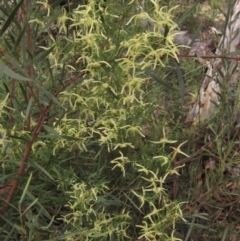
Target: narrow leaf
{"points": [[166, 32], [50, 96], [13, 225], [7, 44], [24, 93], [29, 106], [44, 171], [32, 197], [42, 56], [11, 74], [196, 34], [133, 203], [25, 189], [160, 81], [190, 229], [15, 64], [50, 70], [6, 87], [181, 81], [62, 74], [9, 235], [30, 206], [56, 3], [11, 18], [19, 38], [187, 13], [225, 234]]}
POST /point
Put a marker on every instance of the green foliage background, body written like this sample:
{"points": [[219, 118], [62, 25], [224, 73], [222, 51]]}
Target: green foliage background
{"points": [[75, 99], [93, 141]]}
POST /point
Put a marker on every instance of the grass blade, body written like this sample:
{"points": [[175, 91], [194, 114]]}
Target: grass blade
{"points": [[225, 234], [44, 171], [25, 189], [30, 206]]}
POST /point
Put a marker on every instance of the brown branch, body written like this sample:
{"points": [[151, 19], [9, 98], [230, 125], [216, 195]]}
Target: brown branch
{"points": [[209, 56]]}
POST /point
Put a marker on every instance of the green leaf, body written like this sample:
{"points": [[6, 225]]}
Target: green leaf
{"points": [[15, 64], [33, 202], [11, 18], [190, 229], [44, 171], [12, 36], [49, 95], [42, 56], [6, 70], [133, 203], [13, 225], [29, 106], [51, 130], [54, 135], [24, 93], [25, 189], [226, 23], [166, 32], [181, 81], [7, 44], [9, 234], [62, 74], [160, 81], [6, 87], [187, 13], [225, 234], [50, 70], [56, 3], [19, 37], [33, 198]]}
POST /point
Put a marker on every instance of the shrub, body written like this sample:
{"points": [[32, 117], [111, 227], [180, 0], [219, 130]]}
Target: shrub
{"points": [[72, 108]]}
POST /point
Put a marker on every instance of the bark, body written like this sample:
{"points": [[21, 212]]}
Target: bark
{"points": [[221, 72]]}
